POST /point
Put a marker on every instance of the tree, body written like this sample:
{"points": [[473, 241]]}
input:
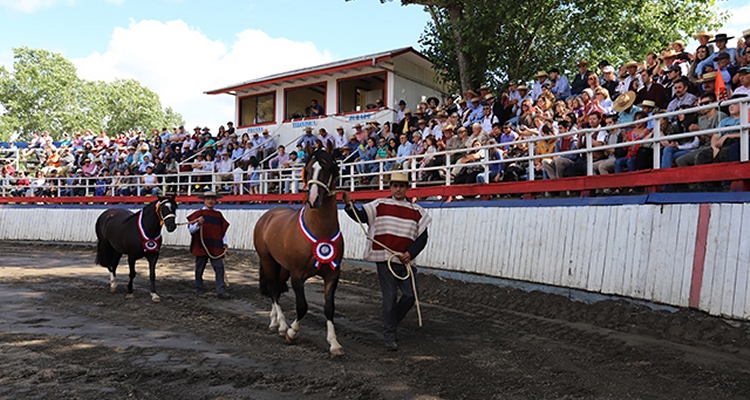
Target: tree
{"points": [[45, 93], [496, 41]]}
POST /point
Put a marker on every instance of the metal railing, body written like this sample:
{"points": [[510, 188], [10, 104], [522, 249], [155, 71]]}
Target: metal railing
{"points": [[281, 180]]}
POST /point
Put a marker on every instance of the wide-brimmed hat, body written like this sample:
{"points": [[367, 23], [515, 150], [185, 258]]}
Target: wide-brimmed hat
{"points": [[399, 177], [703, 33], [357, 126], [746, 33], [647, 103], [308, 129], [522, 87], [624, 101], [541, 73], [209, 194], [669, 53], [632, 64], [707, 77], [720, 36]]}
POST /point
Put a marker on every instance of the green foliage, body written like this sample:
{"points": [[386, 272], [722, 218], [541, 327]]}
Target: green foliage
{"points": [[44, 92], [510, 40]]}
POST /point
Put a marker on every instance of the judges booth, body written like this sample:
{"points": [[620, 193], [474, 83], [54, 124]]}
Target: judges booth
{"points": [[349, 92]]}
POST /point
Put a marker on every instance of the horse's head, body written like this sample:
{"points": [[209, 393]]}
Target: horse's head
{"points": [[166, 208], [320, 174]]}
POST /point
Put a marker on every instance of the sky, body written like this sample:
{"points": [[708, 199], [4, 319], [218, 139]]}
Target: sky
{"points": [[183, 48]]}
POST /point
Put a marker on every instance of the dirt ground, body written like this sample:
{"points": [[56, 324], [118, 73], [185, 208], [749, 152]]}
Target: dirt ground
{"points": [[64, 335]]}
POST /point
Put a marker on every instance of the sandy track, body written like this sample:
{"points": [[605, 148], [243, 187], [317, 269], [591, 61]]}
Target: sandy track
{"points": [[63, 335]]}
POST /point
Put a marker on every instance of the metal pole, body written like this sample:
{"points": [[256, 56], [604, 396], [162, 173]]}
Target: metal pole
{"points": [[589, 156], [531, 162], [744, 132], [657, 145]]}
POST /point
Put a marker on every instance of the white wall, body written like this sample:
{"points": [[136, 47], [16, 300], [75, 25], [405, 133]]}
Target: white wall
{"points": [[640, 251]]}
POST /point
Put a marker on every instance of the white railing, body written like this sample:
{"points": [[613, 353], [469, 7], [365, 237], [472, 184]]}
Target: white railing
{"points": [[281, 180]]}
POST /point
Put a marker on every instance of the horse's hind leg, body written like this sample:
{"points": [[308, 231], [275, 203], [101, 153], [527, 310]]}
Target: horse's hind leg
{"points": [[298, 284], [113, 273], [331, 284], [272, 286]]}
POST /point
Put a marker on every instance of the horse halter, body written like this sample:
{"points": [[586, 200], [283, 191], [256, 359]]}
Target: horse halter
{"points": [[314, 180], [158, 212]]}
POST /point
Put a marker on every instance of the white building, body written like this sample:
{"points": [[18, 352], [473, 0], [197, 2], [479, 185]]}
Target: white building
{"points": [[348, 91]]}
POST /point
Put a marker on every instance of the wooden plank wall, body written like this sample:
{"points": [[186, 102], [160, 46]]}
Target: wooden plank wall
{"points": [[640, 251]]}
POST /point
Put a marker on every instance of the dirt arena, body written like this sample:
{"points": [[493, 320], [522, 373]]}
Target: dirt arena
{"points": [[63, 335]]}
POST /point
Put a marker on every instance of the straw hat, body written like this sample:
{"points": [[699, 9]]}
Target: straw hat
{"points": [[399, 177], [632, 64], [541, 73], [707, 77], [703, 33], [669, 53], [647, 103], [624, 101], [209, 194]]}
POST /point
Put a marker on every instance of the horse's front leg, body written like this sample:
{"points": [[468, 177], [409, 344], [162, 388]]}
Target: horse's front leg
{"points": [[331, 284], [152, 258], [298, 284], [131, 264]]}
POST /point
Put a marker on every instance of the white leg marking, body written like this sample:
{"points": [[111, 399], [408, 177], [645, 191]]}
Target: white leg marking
{"points": [[336, 349], [155, 297], [283, 327], [274, 318], [112, 283], [293, 331]]}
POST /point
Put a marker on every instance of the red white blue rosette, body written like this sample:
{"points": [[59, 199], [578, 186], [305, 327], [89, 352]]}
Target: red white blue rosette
{"points": [[324, 250], [150, 245]]}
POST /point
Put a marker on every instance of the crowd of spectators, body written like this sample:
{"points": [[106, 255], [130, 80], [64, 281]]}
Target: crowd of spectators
{"points": [[134, 163]]}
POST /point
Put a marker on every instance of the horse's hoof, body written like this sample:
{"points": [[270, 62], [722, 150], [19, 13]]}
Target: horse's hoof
{"points": [[155, 298], [274, 327], [337, 352], [113, 289], [282, 332], [129, 296], [291, 340]]}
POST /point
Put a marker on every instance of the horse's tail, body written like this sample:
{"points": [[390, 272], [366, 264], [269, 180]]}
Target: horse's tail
{"points": [[265, 284], [106, 255]]}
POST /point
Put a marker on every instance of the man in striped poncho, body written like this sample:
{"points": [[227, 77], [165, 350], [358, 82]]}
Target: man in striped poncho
{"points": [[402, 227]]}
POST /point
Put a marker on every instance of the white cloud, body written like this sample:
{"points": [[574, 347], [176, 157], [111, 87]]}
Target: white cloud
{"points": [[180, 62], [737, 22], [29, 6]]}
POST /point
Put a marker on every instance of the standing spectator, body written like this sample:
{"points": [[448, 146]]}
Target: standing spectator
{"points": [[580, 80]]}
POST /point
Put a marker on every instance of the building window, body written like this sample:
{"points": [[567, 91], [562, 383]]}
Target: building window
{"points": [[301, 101], [360, 93], [257, 109]]}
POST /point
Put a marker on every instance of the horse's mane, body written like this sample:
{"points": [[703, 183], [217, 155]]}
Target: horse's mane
{"points": [[321, 154]]}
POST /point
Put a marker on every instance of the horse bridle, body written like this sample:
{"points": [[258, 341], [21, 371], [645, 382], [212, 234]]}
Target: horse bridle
{"points": [[158, 212], [325, 186]]}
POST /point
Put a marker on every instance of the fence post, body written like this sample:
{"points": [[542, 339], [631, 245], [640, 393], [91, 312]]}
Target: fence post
{"points": [[381, 174], [657, 145], [486, 171], [532, 169], [744, 131], [448, 169], [589, 156]]}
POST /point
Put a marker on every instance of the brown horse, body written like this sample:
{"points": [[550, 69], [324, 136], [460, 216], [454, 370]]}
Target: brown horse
{"points": [[298, 244]]}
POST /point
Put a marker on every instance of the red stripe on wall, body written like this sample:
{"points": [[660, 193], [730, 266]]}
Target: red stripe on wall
{"points": [[704, 215], [399, 212]]}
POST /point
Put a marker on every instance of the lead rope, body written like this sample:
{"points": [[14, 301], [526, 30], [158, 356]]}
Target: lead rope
{"points": [[208, 253], [409, 273]]}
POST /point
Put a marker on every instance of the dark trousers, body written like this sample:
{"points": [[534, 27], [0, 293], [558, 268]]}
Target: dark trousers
{"points": [[394, 311], [200, 266]]}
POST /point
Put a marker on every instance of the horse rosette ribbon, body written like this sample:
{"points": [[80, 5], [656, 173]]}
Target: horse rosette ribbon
{"points": [[150, 245], [324, 250]]}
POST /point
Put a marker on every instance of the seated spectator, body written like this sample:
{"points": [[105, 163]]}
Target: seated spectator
{"points": [[508, 136], [224, 167], [430, 148], [673, 149], [385, 153], [681, 95], [367, 154], [556, 166], [707, 119], [22, 185], [561, 85], [495, 168], [470, 166], [102, 184], [238, 176], [639, 132], [149, 182], [291, 173]]}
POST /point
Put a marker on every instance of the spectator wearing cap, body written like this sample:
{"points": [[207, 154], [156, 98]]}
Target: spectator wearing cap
{"points": [[541, 79], [721, 40], [725, 68], [560, 84], [488, 118], [469, 95], [579, 82], [401, 113], [743, 81], [651, 90], [407, 125], [339, 138], [673, 74], [610, 81]]}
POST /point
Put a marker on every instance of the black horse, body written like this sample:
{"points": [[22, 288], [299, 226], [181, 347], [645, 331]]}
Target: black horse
{"points": [[138, 235]]}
